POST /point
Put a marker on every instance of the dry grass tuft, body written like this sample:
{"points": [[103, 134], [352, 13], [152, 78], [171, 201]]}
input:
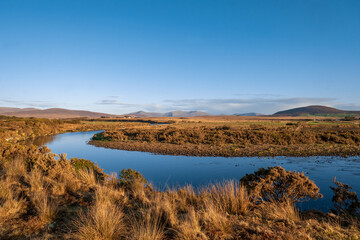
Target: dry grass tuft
{"points": [[229, 196], [65, 180], [36, 180], [216, 222], [103, 221], [10, 205], [87, 176], [109, 195], [46, 207], [148, 227], [189, 228], [282, 210], [16, 168]]}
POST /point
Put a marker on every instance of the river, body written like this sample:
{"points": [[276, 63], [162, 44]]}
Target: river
{"points": [[165, 171]]}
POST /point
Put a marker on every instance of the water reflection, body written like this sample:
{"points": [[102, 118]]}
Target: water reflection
{"points": [[41, 141]]}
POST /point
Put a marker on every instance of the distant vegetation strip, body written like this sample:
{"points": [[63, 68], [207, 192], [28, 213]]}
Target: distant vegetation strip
{"points": [[260, 139], [218, 151]]}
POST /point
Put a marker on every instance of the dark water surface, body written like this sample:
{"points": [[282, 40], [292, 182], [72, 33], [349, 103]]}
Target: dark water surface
{"points": [[170, 171]]}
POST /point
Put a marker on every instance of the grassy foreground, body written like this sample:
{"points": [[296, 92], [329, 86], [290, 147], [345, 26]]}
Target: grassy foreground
{"points": [[238, 138], [45, 196]]}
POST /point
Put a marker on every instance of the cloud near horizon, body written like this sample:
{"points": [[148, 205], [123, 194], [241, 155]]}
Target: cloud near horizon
{"points": [[227, 106], [27, 104], [264, 105]]}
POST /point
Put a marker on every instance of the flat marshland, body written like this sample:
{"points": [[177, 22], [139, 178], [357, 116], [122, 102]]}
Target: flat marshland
{"points": [[238, 137], [46, 196]]}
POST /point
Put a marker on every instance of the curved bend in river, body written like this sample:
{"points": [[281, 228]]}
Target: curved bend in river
{"points": [[169, 171]]}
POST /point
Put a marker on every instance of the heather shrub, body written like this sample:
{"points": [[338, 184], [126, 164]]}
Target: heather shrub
{"points": [[129, 177], [345, 201], [277, 184], [86, 165]]}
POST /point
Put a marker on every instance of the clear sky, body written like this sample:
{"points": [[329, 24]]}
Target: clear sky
{"points": [[218, 56]]}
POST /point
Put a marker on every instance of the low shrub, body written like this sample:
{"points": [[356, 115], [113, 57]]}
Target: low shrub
{"points": [[345, 201], [86, 165], [277, 184], [129, 177]]}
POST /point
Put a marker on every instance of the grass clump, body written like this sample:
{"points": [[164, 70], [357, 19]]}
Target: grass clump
{"points": [[230, 196], [102, 221], [11, 204], [46, 207], [147, 227]]}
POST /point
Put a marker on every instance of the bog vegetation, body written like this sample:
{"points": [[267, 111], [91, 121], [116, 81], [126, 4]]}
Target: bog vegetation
{"points": [[233, 139], [48, 196]]}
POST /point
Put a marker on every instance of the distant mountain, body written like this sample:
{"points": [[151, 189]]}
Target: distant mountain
{"points": [[315, 110], [8, 109], [51, 113], [66, 113], [250, 114], [168, 114]]}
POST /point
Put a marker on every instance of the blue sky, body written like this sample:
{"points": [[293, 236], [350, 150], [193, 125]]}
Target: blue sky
{"points": [[216, 56]]}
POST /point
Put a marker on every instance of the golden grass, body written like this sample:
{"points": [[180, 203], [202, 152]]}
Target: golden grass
{"points": [[189, 228], [216, 222], [103, 221], [65, 179], [148, 227], [46, 207], [36, 180], [87, 176], [11, 205], [229, 196], [282, 210], [15, 168]]}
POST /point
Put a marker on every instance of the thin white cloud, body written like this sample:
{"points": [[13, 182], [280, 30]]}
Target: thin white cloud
{"points": [[349, 106], [128, 107], [224, 106], [240, 105], [23, 103]]}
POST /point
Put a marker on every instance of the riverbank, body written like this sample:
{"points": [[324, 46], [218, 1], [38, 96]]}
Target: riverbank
{"points": [[188, 149], [263, 139]]}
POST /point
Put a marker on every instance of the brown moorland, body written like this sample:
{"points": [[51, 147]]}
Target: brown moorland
{"points": [[232, 136], [44, 196]]}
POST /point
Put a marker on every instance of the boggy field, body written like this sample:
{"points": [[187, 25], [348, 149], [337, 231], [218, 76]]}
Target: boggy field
{"points": [[230, 138], [45, 196]]}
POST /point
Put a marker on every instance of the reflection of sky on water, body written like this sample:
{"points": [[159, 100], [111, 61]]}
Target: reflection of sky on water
{"points": [[169, 171]]}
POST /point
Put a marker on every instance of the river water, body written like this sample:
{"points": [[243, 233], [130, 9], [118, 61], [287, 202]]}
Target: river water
{"points": [[165, 171]]}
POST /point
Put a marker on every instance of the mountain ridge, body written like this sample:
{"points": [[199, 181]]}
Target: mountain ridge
{"points": [[51, 113], [67, 113], [314, 110]]}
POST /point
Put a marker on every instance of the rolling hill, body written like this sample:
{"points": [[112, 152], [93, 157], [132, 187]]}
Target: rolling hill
{"points": [[66, 113], [315, 110], [51, 113]]}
